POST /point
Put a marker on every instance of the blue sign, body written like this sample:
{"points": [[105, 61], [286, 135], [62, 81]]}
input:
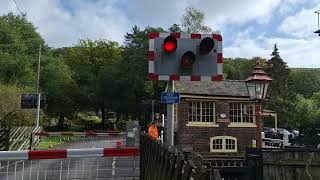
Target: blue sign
{"points": [[170, 98]]}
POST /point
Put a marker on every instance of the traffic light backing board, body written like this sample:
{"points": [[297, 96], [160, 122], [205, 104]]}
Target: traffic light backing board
{"points": [[167, 66]]}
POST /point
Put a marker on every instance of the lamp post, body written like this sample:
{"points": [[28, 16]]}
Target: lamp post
{"points": [[257, 84]]}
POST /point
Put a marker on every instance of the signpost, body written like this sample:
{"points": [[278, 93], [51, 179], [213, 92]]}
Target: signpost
{"points": [[170, 97]]}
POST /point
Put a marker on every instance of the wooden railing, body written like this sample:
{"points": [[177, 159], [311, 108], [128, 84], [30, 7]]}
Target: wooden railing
{"points": [[158, 162], [17, 138], [4, 138]]}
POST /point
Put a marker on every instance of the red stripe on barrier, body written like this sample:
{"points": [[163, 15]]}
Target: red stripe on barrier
{"points": [[195, 36], [119, 144], [217, 37], [152, 76], [90, 133], [220, 58], [216, 78], [41, 134], [67, 134], [195, 78], [153, 35], [114, 134], [151, 55], [110, 152], [47, 154], [175, 34], [174, 77], [113, 131]]}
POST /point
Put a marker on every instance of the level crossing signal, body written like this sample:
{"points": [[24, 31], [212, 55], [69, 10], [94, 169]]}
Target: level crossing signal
{"points": [[30, 101], [181, 56]]}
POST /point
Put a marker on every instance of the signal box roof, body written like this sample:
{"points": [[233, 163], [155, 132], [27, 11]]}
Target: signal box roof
{"points": [[229, 88]]}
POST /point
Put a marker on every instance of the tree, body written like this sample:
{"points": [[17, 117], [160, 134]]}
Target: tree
{"points": [[279, 72], [19, 36], [305, 82], [87, 60], [193, 21], [135, 67], [307, 110], [240, 68], [10, 112], [282, 98], [19, 44], [16, 69], [175, 28], [61, 90]]}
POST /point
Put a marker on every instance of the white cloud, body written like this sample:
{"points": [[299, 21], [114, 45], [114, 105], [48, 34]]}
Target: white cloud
{"points": [[106, 19], [60, 27], [301, 24], [218, 13], [221, 13], [111, 19], [296, 52], [156, 13]]}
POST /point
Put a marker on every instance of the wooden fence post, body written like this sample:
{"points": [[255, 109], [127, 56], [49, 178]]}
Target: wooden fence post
{"points": [[215, 175], [31, 141], [159, 162], [7, 139]]}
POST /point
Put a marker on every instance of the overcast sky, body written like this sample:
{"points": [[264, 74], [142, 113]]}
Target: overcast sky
{"points": [[249, 27]]}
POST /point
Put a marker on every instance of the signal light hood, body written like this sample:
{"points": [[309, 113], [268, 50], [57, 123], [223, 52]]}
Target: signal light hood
{"points": [[206, 45], [187, 60]]}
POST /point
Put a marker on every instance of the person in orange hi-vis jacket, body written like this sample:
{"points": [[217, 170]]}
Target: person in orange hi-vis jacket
{"points": [[153, 131]]}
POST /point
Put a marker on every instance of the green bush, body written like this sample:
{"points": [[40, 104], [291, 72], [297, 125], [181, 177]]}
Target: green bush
{"points": [[88, 118]]}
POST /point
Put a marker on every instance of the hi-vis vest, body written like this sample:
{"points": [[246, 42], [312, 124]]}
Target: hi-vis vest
{"points": [[153, 131]]}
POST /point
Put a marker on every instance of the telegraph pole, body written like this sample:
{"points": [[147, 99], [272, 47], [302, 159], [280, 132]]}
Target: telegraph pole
{"points": [[38, 89]]}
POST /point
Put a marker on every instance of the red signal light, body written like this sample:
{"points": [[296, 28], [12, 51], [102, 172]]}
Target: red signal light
{"points": [[170, 44], [187, 60]]}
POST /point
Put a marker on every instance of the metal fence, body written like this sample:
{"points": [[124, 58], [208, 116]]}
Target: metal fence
{"points": [[275, 143], [94, 163], [76, 140]]}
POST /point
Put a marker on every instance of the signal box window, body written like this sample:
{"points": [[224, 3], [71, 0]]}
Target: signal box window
{"points": [[223, 144], [217, 144], [242, 113], [202, 111]]}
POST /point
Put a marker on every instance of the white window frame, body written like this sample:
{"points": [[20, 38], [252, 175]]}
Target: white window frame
{"points": [[224, 150], [201, 123], [242, 123]]}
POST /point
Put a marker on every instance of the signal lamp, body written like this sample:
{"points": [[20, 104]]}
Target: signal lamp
{"points": [[187, 60], [206, 46], [170, 44]]}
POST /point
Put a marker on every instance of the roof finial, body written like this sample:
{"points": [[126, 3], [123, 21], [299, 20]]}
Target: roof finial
{"points": [[258, 63]]}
